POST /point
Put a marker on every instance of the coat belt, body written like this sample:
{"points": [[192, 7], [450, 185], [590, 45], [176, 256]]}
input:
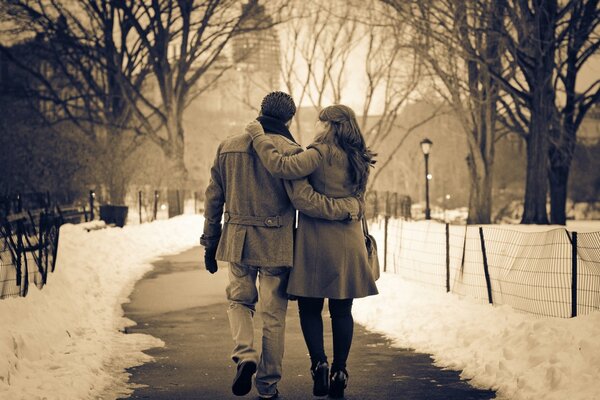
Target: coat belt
{"points": [[249, 220]]}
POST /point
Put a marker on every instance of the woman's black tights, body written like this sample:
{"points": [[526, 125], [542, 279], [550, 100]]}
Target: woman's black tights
{"points": [[342, 327]]}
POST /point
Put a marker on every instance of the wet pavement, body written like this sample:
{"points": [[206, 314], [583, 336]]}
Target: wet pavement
{"points": [[185, 306]]}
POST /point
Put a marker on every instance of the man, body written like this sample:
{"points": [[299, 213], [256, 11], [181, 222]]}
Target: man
{"points": [[257, 241]]}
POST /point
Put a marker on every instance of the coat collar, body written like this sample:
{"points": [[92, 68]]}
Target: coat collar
{"points": [[274, 125]]}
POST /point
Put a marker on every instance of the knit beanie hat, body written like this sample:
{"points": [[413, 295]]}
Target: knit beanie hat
{"points": [[278, 105]]}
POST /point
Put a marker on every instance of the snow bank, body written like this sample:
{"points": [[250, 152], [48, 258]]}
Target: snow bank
{"points": [[64, 341], [519, 355]]}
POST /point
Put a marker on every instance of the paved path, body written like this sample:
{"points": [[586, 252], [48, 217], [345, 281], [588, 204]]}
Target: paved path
{"points": [[185, 307]]}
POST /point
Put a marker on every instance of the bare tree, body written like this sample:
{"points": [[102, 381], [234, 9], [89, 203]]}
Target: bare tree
{"points": [[548, 44], [156, 57], [185, 40], [451, 36], [328, 43], [80, 53], [393, 72], [578, 41], [320, 38], [529, 39]]}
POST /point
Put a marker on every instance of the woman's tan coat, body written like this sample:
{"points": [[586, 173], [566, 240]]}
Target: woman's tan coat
{"points": [[330, 257]]}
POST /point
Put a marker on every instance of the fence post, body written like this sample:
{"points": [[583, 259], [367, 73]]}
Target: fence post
{"points": [[179, 210], [385, 238], [140, 204], [42, 245], [574, 275], [385, 243], [155, 204], [195, 202], [92, 196], [22, 270], [485, 267], [19, 253], [447, 257]]}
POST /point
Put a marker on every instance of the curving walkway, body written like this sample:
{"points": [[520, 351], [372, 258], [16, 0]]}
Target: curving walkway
{"points": [[185, 306]]}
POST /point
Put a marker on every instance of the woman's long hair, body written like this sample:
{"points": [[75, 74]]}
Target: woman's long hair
{"points": [[345, 133]]}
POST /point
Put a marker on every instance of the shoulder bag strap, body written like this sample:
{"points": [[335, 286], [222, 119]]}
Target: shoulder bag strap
{"points": [[365, 227]]}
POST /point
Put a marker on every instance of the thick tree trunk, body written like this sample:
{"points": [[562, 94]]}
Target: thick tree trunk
{"points": [[117, 188], [558, 176], [536, 182], [480, 200], [176, 151], [110, 165], [480, 193], [561, 150], [540, 74], [178, 172]]}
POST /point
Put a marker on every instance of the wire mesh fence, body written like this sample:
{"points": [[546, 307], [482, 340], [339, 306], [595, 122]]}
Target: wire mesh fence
{"points": [[552, 273], [389, 204], [588, 272]]}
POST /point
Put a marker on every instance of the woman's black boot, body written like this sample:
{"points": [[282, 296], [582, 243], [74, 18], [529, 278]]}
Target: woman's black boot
{"points": [[320, 375], [337, 384]]}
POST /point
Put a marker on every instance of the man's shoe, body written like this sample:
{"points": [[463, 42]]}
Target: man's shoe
{"points": [[320, 375], [337, 384], [242, 383], [269, 397]]}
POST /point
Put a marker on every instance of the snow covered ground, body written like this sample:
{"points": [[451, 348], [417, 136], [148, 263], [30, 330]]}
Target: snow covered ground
{"points": [[519, 355], [64, 341]]}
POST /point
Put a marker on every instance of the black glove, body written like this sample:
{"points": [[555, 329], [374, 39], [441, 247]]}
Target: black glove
{"points": [[210, 262]]}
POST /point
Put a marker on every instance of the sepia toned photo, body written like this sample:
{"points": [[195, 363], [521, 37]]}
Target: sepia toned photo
{"points": [[301, 199]]}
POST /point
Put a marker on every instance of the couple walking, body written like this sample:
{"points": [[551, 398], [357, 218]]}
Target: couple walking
{"points": [[258, 181]]}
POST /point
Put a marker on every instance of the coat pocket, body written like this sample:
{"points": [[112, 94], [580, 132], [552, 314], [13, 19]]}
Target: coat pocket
{"points": [[235, 245]]}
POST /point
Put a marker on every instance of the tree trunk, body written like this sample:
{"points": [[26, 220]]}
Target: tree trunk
{"points": [[109, 164], [178, 172], [536, 183], [175, 149], [561, 149], [542, 96], [480, 193], [558, 176], [117, 188]]}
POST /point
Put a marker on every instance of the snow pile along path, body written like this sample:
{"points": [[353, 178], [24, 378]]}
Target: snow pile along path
{"points": [[519, 355], [65, 341]]}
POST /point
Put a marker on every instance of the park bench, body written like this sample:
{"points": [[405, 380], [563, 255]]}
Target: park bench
{"points": [[26, 237], [72, 214]]}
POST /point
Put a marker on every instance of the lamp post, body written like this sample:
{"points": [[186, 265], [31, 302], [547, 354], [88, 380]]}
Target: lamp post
{"points": [[426, 148]]}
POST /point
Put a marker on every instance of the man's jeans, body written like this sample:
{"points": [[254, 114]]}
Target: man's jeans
{"points": [[271, 296]]}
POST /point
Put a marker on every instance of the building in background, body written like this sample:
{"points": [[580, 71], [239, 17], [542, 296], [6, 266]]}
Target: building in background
{"points": [[250, 66], [256, 56]]}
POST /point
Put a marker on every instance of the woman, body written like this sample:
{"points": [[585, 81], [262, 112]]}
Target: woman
{"points": [[330, 258]]}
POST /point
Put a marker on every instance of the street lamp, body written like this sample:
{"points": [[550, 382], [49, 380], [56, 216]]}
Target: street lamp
{"points": [[426, 148]]}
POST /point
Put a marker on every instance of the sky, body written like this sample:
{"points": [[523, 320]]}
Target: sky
{"points": [[355, 82]]}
